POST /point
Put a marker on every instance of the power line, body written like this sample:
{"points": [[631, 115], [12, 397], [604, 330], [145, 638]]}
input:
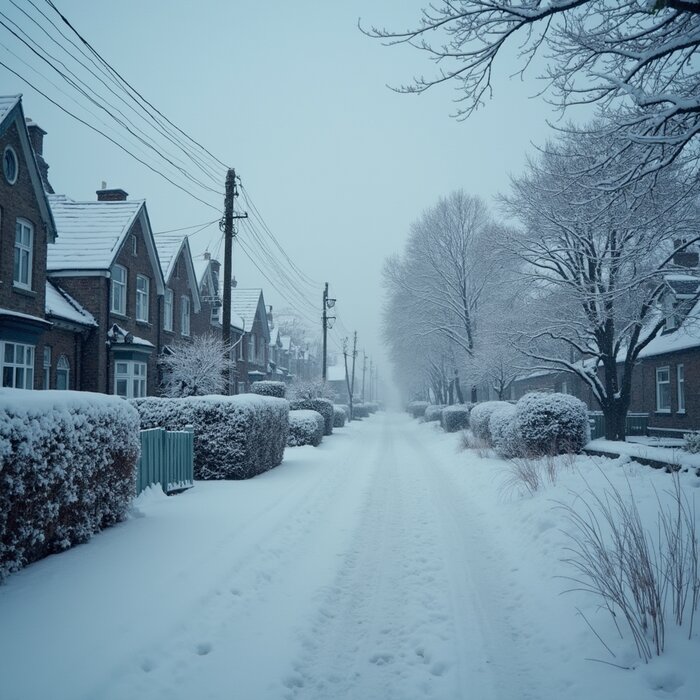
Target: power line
{"points": [[186, 228]]}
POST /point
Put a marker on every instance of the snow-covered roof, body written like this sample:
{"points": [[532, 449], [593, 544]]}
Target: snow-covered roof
{"points": [[686, 336], [169, 248], [23, 317], [7, 104], [61, 305], [274, 335], [90, 234], [245, 302], [335, 373], [286, 342], [119, 336]]}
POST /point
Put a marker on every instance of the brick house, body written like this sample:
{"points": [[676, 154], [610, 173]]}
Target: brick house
{"points": [[105, 259], [253, 354]]}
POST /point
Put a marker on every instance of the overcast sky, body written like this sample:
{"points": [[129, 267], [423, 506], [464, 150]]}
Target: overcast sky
{"points": [[294, 97]]}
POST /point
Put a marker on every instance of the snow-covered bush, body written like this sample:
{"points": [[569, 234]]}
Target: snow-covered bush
{"points": [[503, 431], [267, 388], [305, 428], [67, 470], [372, 406], [692, 442], [480, 417], [323, 406], [317, 389], [417, 408], [432, 413], [235, 437], [360, 410], [454, 418], [550, 424], [339, 416]]}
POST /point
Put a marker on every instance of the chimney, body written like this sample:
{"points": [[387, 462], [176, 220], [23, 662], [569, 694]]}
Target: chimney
{"points": [[269, 316], [36, 138], [688, 257], [207, 255], [113, 195]]}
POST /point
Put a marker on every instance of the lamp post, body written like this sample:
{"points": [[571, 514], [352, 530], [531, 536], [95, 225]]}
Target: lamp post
{"points": [[327, 323]]}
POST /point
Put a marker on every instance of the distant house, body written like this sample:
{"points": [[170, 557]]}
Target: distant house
{"points": [[335, 375], [253, 358], [278, 369], [105, 260]]}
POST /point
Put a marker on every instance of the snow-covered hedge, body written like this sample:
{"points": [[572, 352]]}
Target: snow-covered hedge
{"points": [[480, 417], [268, 388], [305, 428], [417, 408], [372, 406], [551, 423], [323, 406], [67, 470], [339, 416], [692, 442], [502, 429], [360, 410], [235, 437], [432, 413], [454, 418]]}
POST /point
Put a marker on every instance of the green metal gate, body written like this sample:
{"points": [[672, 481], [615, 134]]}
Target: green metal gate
{"points": [[167, 458], [635, 424]]}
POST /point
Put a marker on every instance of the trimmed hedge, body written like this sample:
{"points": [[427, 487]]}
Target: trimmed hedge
{"points": [[269, 388], [323, 406], [417, 408], [433, 413], [339, 416], [503, 431], [456, 417], [305, 428], [551, 423], [360, 410], [481, 415], [67, 470], [235, 437]]}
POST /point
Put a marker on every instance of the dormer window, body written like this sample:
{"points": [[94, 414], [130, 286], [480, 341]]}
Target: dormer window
{"points": [[10, 165]]}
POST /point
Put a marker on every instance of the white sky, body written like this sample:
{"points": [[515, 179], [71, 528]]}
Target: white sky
{"points": [[294, 97]]}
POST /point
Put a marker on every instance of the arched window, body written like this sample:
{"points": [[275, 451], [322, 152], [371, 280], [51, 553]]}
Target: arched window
{"points": [[63, 373]]}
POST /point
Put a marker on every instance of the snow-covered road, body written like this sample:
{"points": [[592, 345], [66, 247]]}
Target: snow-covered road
{"points": [[373, 567]]}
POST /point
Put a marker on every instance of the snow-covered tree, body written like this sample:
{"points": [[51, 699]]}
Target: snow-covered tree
{"points": [[596, 265], [637, 60], [196, 367]]}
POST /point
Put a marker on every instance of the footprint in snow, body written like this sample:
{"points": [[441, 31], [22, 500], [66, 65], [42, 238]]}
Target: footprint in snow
{"points": [[381, 659], [203, 648]]}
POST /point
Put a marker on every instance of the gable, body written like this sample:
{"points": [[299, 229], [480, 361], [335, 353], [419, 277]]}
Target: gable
{"points": [[172, 251]]}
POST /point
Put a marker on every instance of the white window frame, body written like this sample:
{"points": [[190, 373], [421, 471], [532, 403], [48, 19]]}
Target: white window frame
{"points": [[23, 253], [134, 375], [21, 373], [63, 370], [168, 306], [680, 385], [118, 289], [47, 367], [666, 384], [185, 316], [143, 295]]}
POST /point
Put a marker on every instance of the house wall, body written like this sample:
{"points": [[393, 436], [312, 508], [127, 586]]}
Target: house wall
{"points": [[69, 343]]}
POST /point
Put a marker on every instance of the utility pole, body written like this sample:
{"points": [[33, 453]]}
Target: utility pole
{"points": [[229, 233], [327, 323], [348, 383], [364, 370], [371, 377], [354, 355]]}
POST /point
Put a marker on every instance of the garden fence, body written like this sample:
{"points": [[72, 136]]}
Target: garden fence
{"points": [[636, 424], [167, 458]]}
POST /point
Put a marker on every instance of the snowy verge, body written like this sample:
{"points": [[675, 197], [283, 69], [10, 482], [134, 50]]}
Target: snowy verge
{"points": [[67, 470], [667, 455]]}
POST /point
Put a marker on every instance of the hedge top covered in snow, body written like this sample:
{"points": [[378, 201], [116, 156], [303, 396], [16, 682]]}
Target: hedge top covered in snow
{"points": [[269, 388], [23, 402]]}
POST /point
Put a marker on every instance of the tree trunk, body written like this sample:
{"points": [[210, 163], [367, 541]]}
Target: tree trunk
{"points": [[458, 389], [615, 415]]}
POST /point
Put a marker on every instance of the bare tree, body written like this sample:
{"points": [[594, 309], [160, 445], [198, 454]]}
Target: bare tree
{"points": [[196, 367], [596, 265], [635, 59]]}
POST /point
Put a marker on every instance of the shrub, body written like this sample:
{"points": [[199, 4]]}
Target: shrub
{"points": [[305, 428], [323, 406], [432, 413], [339, 416], [372, 406], [551, 424], [692, 442], [359, 410], [235, 437], [67, 470], [417, 408], [480, 417], [267, 388], [454, 418], [503, 431], [316, 389]]}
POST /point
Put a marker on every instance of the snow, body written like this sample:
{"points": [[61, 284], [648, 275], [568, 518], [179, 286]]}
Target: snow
{"points": [[668, 455], [90, 234], [384, 565], [335, 373], [168, 247], [61, 305], [18, 314], [121, 336], [245, 303], [7, 103]]}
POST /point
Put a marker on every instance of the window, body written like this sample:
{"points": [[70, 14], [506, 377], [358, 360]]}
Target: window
{"points": [[142, 298], [63, 373], [185, 316], [134, 246], [239, 349], [564, 388], [10, 165], [663, 390], [47, 367], [168, 310], [118, 303], [680, 376], [130, 379], [17, 363], [251, 348], [24, 239], [241, 388]]}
